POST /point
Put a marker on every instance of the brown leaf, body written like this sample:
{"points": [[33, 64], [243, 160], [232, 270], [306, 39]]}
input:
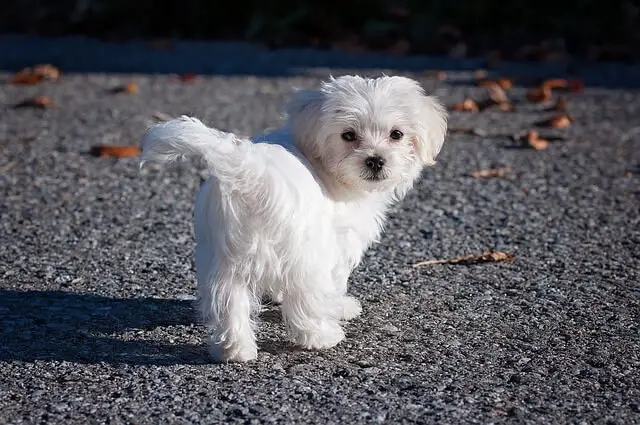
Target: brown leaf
{"points": [[555, 83], [490, 172], [574, 86], [130, 88], [123, 151], [505, 83], [36, 74], [468, 105], [534, 141], [41, 102], [497, 94], [557, 121], [539, 95], [485, 257]]}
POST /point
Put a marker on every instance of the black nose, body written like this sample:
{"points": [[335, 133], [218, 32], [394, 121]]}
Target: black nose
{"points": [[374, 163]]}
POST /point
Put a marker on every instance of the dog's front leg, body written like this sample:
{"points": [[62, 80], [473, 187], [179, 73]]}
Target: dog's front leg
{"points": [[350, 306], [312, 311]]}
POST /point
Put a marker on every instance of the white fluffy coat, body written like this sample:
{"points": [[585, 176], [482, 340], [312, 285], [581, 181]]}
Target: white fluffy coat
{"points": [[290, 213]]}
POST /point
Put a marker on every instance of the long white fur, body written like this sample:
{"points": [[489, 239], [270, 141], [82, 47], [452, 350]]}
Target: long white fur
{"points": [[288, 213]]}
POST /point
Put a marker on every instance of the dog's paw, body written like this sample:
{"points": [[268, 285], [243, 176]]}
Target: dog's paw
{"points": [[222, 353], [322, 334], [351, 308]]}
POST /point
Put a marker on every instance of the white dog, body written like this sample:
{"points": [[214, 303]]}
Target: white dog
{"points": [[290, 213]]}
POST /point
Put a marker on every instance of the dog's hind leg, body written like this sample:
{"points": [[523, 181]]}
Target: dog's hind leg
{"points": [[229, 315]]}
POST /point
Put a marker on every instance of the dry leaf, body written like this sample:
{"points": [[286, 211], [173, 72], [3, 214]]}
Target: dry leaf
{"points": [[41, 102], [490, 172], [468, 105], [485, 257], [505, 83], [130, 88], [115, 151], [574, 86], [539, 95], [534, 141], [628, 174], [557, 121], [555, 83], [497, 94], [25, 78], [36, 74]]}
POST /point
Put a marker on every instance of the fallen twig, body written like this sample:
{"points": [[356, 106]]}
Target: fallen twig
{"points": [[485, 257], [490, 172]]}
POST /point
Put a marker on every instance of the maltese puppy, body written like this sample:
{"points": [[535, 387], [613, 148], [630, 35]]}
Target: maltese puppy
{"points": [[290, 213]]}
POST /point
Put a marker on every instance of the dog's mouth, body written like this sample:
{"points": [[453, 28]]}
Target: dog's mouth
{"points": [[373, 177]]}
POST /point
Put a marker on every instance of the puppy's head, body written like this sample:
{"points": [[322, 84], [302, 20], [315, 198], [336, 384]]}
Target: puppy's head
{"points": [[369, 134]]}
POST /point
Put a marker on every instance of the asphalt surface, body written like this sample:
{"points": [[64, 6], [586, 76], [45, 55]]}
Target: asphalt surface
{"points": [[97, 279]]}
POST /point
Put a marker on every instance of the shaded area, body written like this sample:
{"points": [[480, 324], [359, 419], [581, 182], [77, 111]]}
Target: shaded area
{"points": [[87, 55], [409, 26], [84, 328]]}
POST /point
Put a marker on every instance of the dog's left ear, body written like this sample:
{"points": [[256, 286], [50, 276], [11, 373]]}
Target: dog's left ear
{"points": [[303, 116], [432, 128]]}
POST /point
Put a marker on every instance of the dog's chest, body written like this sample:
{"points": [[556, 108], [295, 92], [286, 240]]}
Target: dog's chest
{"points": [[356, 228]]}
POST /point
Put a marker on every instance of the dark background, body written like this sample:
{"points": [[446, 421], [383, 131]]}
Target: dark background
{"points": [[519, 29]]}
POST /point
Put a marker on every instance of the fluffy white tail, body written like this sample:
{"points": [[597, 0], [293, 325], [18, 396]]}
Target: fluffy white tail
{"points": [[187, 137]]}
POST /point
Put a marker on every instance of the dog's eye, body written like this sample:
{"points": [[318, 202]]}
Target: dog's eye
{"points": [[349, 136], [396, 135]]}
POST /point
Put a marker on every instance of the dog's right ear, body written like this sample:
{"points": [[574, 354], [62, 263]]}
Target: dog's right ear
{"points": [[303, 115]]}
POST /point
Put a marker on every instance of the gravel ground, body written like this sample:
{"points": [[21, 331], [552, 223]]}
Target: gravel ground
{"points": [[97, 278]]}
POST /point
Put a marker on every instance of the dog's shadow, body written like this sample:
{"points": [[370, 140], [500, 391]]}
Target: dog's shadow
{"points": [[86, 328]]}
